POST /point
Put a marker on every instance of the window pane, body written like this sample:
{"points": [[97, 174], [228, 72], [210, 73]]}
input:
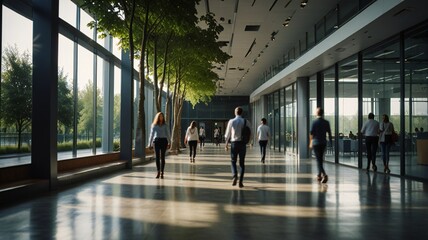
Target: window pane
{"points": [[85, 85], [348, 111], [381, 90], [85, 19], [16, 89], [67, 12], [416, 103], [116, 110], [66, 104], [329, 108]]}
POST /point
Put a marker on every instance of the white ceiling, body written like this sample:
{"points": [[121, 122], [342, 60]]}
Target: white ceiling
{"points": [[242, 74]]}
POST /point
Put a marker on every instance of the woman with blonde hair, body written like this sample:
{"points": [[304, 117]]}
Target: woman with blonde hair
{"points": [[192, 137], [160, 140]]}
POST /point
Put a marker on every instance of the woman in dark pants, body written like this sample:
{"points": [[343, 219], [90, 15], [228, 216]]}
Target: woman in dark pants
{"points": [[160, 139], [386, 129]]}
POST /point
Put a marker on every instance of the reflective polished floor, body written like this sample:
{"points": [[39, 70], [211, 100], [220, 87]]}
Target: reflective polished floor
{"points": [[280, 200]]}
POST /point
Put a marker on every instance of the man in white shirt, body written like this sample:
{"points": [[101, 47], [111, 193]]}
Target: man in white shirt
{"points": [[238, 147], [370, 130], [263, 134]]}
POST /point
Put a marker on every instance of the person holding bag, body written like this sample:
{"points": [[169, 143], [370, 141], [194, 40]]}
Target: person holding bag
{"points": [[386, 129]]}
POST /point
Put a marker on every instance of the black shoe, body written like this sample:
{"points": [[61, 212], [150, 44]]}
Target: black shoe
{"points": [[324, 179], [374, 167], [157, 176], [162, 175], [241, 185], [235, 178], [319, 178]]}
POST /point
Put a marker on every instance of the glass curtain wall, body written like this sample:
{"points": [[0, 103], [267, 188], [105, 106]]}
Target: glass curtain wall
{"points": [[116, 109], [416, 102], [329, 87], [290, 116], [66, 104], [85, 101], [381, 91], [348, 111], [15, 88], [276, 120], [282, 118], [312, 97], [270, 118]]}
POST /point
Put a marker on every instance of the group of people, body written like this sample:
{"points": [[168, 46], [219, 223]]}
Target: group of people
{"points": [[160, 139], [373, 131], [376, 133]]}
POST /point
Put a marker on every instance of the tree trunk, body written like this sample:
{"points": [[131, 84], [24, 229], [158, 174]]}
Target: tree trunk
{"points": [[140, 138]]}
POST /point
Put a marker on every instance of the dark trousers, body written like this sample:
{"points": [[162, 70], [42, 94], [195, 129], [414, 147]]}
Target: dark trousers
{"points": [[238, 149], [202, 141], [263, 144], [160, 145], [371, 145], [386, 147], [319, 154], [192, 146]]}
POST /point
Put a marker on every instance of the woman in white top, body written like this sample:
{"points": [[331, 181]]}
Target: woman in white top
{"points": [[386, 129], [263, 135], [192, 137], [202, 137]]}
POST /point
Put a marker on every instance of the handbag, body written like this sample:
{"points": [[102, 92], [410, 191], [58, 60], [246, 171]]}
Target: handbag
{"points": [[394, 137]]}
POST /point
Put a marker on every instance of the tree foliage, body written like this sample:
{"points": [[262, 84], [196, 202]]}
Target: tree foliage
{"points": [[86, 110], [169, 43], [16, 90], [65, 102]]}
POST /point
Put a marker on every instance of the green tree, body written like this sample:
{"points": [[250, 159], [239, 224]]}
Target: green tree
{"points": [[65, 104], [116, 116], [86, 110], [16, 92]]}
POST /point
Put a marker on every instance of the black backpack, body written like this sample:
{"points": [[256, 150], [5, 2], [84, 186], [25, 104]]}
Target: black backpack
{"points": [[246, 133]]}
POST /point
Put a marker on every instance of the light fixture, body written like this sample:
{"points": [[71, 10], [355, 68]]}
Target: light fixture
{"points": [[303, 3], [272, 35], [286, 22]]}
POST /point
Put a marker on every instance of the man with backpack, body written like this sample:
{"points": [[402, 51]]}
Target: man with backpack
{"points": [[238, 133]]}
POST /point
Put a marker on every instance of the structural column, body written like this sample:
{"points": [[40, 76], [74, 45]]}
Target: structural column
{"points": [[45, 90], [303, 116], [126, 110]]}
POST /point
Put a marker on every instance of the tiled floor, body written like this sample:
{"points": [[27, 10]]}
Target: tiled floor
{"points": [[280, 200]]}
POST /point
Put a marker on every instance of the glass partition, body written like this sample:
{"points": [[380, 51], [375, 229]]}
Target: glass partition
{"points": [[348, 111], [329, 87], [416, 103], [381, 92]]}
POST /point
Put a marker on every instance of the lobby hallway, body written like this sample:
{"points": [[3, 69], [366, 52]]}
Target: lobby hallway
{"points": [[281, 200]]}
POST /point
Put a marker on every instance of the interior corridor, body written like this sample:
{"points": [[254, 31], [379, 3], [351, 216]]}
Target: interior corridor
{"points": [[281, 200]]}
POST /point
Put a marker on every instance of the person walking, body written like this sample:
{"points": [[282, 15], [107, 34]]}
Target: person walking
{"points": [[318, 141], [238, 147], [160, 140], [263, 135], [192, 137], [386, 129], [370, 130], [217, 136], [202, 137]]}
